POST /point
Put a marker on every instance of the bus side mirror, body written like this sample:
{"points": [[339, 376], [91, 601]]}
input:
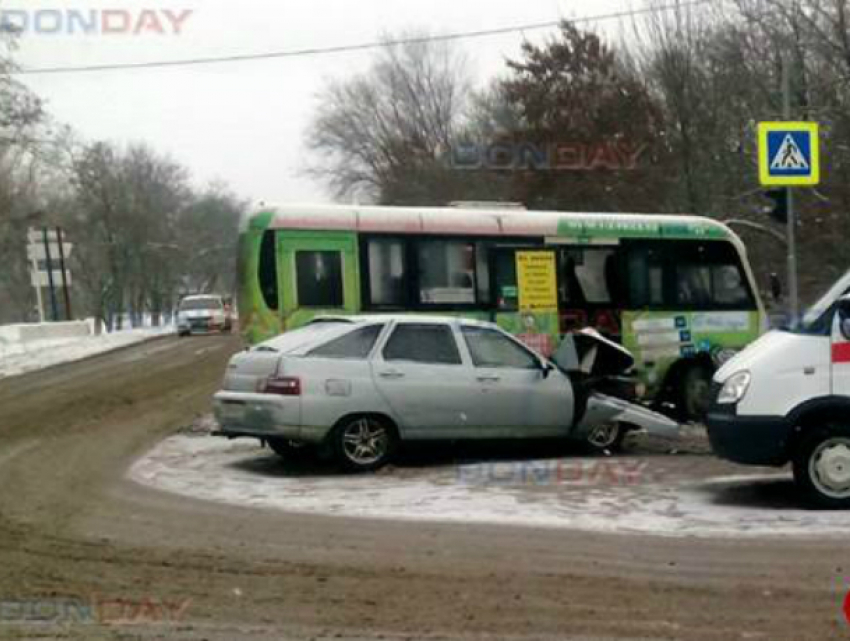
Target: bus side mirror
{"points": [[775, 287]]}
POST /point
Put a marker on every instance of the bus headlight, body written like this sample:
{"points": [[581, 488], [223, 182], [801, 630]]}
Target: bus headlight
{"points": [[734, 388]]}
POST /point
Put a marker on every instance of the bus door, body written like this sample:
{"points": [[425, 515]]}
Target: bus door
{"points": [[317, 272], [531, 315], [591, 290]]}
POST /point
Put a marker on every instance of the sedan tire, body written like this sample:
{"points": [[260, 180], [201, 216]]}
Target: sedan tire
{"points": [[607, 437], [364, 443]]}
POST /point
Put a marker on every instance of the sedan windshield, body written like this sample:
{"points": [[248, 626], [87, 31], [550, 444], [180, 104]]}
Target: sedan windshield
{"points": [[200, 303]]}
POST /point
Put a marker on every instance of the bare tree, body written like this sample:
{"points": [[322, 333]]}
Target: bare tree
{"points": [[378, 135]]}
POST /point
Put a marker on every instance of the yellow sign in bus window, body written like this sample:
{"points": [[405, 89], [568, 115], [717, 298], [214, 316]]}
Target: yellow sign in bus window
{"points": [[538, 290]]}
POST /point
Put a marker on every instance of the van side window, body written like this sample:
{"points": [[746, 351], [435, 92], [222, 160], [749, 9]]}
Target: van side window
{"points": [[319, 278]]}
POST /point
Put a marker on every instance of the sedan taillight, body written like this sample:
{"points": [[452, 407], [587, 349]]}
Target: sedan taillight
{"points": [[283, 385]]}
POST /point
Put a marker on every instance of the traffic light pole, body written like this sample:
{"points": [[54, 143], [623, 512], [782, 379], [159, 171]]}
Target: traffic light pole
{"points": [[793, 293]]}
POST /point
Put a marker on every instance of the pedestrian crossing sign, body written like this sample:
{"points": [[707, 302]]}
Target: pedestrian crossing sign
{"points": [[789, 153]]}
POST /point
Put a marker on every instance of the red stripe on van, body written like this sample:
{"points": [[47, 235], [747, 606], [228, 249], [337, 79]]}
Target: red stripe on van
{"points": [[841, 352]]}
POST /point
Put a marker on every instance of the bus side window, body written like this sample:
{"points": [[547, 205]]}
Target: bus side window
{"points": [[267, 269], [319, 278], [645, 278], [506, 294], [387, 272]]}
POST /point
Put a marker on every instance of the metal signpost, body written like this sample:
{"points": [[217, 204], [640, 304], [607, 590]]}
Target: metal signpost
{"points": [[789, 156], [48, 251]]}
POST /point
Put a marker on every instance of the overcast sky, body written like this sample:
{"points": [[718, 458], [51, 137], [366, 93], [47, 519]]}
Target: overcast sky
{"points": [[244, 122]]}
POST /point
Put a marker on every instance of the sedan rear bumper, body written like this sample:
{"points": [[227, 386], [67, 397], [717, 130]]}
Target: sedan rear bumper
{"points": [[263, 416]]}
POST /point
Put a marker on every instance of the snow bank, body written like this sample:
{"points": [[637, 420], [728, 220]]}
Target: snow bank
{"points": [[19, 355]]}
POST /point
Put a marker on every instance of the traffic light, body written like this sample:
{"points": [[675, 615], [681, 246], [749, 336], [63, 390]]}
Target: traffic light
{"points": [[778, 211]]}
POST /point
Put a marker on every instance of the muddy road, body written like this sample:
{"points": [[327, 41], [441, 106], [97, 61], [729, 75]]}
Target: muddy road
{"points": [[86, 553]]}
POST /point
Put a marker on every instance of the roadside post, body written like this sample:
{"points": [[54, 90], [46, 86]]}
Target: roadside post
{"points": [[789, 156], [48, 251]]}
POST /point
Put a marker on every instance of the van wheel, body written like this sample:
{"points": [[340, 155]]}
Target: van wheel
{"points": [[364, 443], [822, 468], [693, 393], [607, 437]]}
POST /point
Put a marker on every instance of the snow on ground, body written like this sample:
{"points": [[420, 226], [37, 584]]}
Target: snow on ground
{"points": [[19, 357], [617, 495]]}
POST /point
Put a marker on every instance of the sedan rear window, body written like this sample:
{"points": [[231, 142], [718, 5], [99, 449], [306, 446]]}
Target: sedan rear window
{"points": [[423, 344], [357, 344]]}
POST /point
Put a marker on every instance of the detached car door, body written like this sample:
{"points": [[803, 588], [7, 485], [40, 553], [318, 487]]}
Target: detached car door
{"points": [[425, 381], [515, 396]]}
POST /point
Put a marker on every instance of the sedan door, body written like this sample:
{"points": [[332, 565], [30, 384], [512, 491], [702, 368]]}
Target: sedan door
{"points": [[425, 381], [515, 396]]}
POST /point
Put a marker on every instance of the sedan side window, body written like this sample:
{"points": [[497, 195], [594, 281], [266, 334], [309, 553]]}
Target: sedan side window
{"points": [[355, 345], [429, 343], [489, 348]]}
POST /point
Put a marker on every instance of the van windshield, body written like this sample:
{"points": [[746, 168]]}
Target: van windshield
{"points": [[200, 303], [818, 318]]}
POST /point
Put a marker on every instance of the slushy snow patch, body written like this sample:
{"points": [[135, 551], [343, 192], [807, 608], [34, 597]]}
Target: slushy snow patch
{"points": [[19, 357], [733, 506]]}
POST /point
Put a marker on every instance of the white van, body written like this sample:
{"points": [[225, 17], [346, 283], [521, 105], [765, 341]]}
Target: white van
{"points": [[786, 398]]}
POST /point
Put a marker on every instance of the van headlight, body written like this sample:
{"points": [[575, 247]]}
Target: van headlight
{"points": [[734, 388]]}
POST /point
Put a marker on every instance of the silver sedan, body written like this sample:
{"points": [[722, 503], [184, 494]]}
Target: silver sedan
{"points": [[362, 384]]}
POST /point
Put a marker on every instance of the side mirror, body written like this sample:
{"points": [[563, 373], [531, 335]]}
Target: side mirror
{"points": [[843, 308], [775, 287], [546, 368]]}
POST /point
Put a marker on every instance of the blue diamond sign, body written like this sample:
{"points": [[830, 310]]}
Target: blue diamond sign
{"points": [[789, 153]]}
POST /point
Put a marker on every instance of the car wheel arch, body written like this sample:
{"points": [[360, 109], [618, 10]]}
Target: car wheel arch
{"points": [[385, 418], [814, 414]]}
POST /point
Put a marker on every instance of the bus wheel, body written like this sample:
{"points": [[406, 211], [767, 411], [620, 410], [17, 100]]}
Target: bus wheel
{"points": [[693, 393], [607, 437], [822, 468]]}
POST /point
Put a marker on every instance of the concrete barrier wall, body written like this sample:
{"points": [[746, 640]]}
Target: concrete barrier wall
{"points": [[50, 331]]}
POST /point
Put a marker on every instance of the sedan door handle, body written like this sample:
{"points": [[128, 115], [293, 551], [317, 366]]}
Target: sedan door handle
{"points": [[391, 373], [491, 378]]}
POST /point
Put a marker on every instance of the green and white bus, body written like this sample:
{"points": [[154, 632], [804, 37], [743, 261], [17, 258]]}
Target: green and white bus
{"points": [[677, 291]]}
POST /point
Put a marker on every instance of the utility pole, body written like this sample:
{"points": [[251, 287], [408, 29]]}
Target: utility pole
{"points": [[793, 293], [46, 236], [65, 288]]}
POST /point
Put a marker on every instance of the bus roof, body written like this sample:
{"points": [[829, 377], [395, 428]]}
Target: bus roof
{"points": [[487, 222]]}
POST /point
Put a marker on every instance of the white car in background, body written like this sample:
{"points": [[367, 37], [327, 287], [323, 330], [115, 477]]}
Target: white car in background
{"points": [[360, 385], [202, 315]]}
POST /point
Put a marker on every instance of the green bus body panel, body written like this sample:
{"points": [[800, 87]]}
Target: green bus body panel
{"points": [[290, 242], [658, 339], [587, 231], [256, 321]]}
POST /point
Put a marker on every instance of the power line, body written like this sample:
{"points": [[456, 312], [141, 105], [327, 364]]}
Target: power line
{"points": [[298, 53]]}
